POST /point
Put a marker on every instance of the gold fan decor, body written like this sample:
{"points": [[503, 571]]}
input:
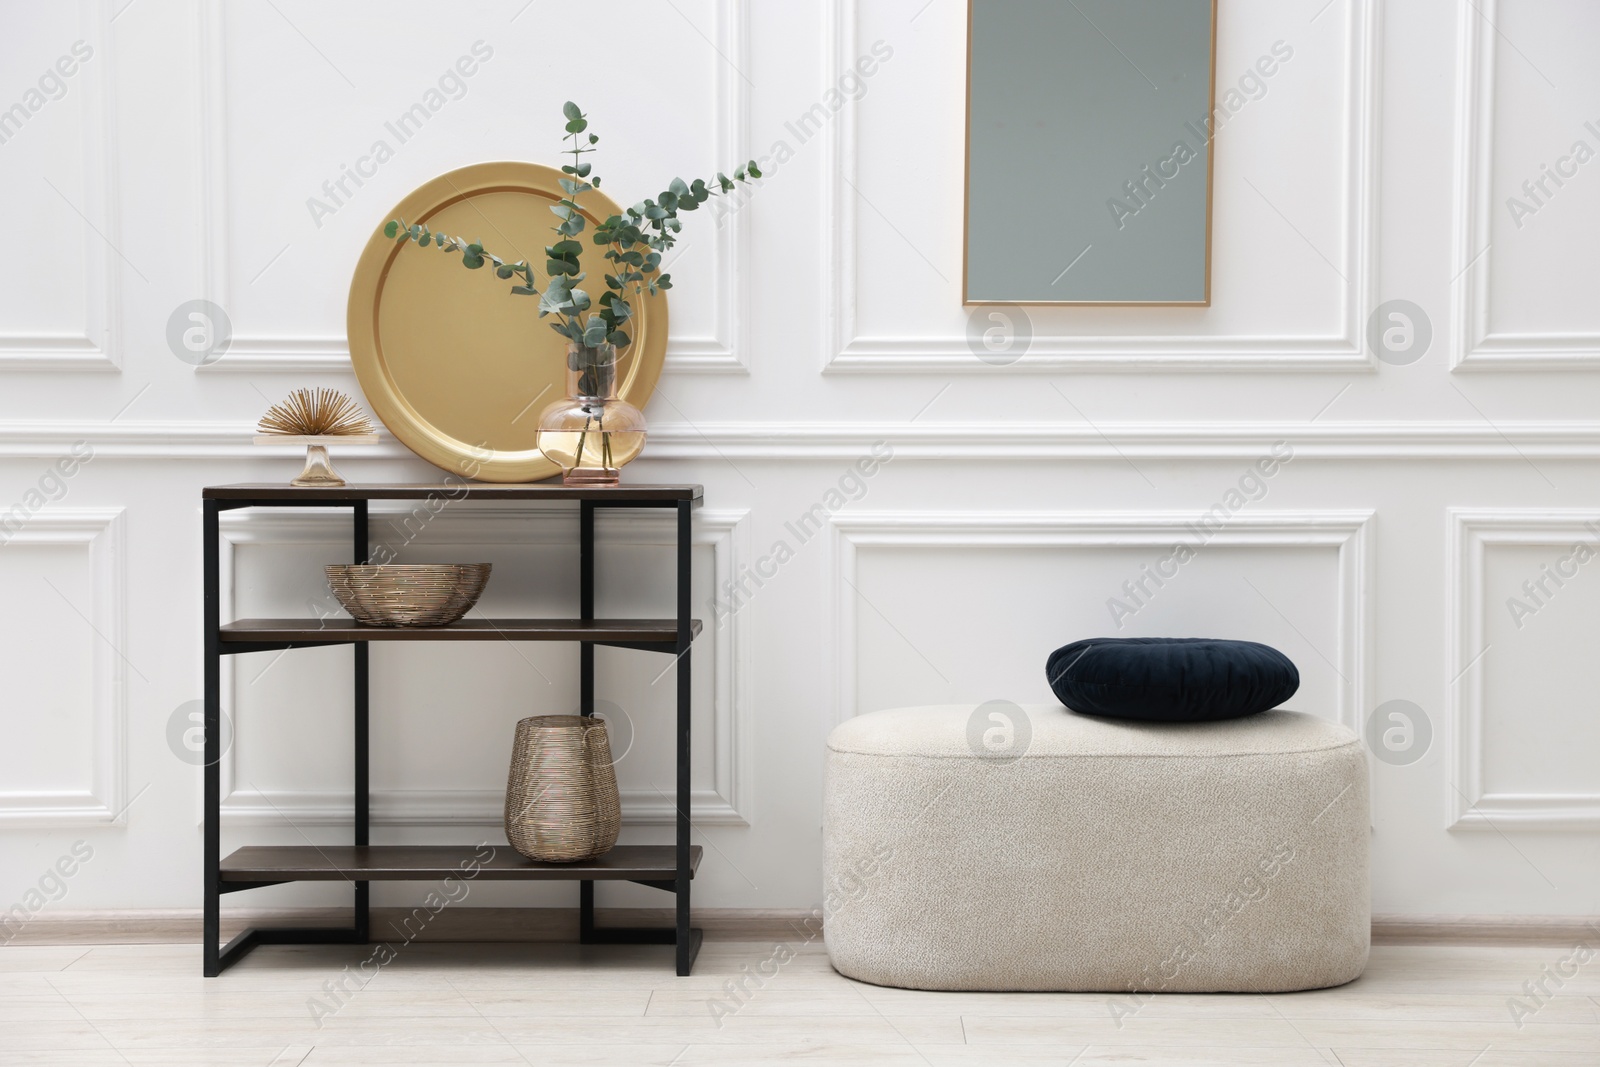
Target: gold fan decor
{"points": [[316, 418]]}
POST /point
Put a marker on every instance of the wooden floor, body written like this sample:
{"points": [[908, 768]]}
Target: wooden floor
{"points": [[1427, 1006]]}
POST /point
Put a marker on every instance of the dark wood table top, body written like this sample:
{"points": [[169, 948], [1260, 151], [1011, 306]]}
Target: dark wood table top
{"points": [[454, 490]]}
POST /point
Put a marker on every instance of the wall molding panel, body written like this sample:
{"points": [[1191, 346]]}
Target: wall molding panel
{"points": [[1477, 348], [847, 352], [720, 352], [105, 801], [727, 803], [1348, 532], [1469, 803], [803, 440], [96, 347]]}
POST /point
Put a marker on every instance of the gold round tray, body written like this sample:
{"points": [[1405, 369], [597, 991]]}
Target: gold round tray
{"points": [[452, 363]]}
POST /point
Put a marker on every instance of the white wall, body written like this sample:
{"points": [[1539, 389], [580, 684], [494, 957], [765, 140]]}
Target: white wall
{"points": [[820, 318]]}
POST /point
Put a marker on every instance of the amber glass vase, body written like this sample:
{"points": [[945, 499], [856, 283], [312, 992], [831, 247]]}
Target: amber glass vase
{"points": [[592, 432]]}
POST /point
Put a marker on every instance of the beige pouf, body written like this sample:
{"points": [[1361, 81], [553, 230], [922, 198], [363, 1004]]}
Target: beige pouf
{"points": [[1109, 856]]}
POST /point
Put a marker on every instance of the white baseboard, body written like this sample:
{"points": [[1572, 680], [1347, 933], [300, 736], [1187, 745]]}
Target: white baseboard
{"points": [[1485, 929], [182, 926]]}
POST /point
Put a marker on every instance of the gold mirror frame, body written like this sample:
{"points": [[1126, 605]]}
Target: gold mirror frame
{"points": [[452, 363], [967, 300]]}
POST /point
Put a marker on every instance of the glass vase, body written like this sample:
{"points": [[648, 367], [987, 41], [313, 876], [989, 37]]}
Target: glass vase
{"points": [[592, 432]]}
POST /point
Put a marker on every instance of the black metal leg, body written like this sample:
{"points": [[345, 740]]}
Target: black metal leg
{"points": [[687, 948], [363, 792], [586, 933], [210, 549], [586, 604], [686, 939], [217, 957]]}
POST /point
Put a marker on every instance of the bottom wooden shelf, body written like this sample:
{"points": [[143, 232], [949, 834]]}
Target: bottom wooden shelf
{"points": [[399, 863]]}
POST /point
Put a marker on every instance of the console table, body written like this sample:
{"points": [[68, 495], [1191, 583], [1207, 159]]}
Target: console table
{"points": [[666, 867]]}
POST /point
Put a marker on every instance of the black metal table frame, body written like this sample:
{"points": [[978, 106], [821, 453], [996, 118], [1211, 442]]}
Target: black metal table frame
{"points": [[218, 957]]}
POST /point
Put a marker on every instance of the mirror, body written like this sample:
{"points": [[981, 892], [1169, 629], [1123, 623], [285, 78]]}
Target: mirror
{"points": [[1089, 127]]}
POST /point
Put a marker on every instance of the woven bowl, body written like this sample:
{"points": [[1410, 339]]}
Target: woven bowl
{"points": [[407, 594]]}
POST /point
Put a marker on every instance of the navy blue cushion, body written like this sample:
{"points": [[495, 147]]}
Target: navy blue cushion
{"points": [[1170, 679]]}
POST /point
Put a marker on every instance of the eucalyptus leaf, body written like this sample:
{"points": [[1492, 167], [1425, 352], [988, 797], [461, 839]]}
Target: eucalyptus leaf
{"points": [[634, 241]]}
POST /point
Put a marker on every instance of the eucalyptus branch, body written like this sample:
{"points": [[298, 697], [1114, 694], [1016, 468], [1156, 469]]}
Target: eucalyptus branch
{"points": [[634, 244]]}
